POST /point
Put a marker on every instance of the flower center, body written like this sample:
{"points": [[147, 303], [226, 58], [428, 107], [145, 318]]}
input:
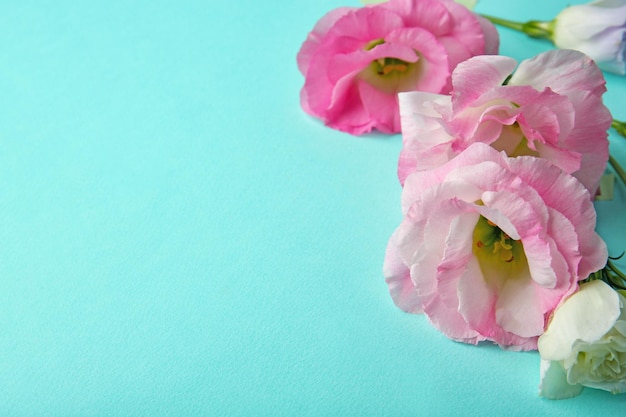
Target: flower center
{"points": [[523, 149], [513, 142], [385, 66], [388, 74], [499, 256], [604, 360]]}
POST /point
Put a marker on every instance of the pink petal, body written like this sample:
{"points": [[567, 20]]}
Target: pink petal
{"points": [[433, 63], [568, 196], [476, 76], [592, 121], [398, 278], [426, 143], [345, 111], [431, 15], [517, 311], [546, 117], [569, 71], [316, 36], [381, 107], [451, 323], [477, 300], [365, 24], [472, 29], [492, 39]]}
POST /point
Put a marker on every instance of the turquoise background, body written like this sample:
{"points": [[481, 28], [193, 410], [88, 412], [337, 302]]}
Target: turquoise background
{"points": [[180, 239]]}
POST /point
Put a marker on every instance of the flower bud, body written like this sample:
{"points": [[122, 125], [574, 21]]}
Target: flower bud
{"points": [[597, 29]]}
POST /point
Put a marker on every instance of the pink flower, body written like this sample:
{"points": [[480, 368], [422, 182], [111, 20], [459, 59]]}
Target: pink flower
{"points": [[490, 245], [356, 60], [551, 107]]}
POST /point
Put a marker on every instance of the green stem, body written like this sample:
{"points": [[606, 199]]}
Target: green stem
{"points": [[533, 28], [618, 168], [610, 274], [619, 126], [615, 270]]}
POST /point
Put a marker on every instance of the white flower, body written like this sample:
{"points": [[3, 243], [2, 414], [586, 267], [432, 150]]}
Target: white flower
{"points": [[597, 29], [585, 344]]}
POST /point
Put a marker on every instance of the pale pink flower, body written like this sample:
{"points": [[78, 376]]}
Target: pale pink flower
{"points": [[490, 245], [356, 60], [550, 107]]}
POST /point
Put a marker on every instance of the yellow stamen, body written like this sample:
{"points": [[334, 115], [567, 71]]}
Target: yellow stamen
{"points": [[504, 247], [500, 257], [504, 241], [391, 68]]}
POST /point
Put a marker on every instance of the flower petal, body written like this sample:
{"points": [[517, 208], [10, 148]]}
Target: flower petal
{"points": [[569, 71], [426, 143], [586, 316], [433, 64], [553, 383], [477, 76], [316, 37], [398, 279], [515, 300]]}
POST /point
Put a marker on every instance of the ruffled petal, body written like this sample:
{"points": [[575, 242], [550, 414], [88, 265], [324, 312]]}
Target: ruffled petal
{"points": [[473, 78], [433, 65], [518, 307], [568, 71], [477, 300], [426, 142], [398, 279], [316, 36]]}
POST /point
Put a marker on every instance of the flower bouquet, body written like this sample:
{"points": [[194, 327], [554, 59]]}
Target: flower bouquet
{"points": [[500, 164]]}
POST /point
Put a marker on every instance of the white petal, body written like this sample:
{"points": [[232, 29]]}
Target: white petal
{"points": [[586, 316], [553, 384], [614, 387]]}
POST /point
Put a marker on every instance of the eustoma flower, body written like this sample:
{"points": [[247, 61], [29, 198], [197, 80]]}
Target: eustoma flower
{"points": [[356, 60], [585, 343], [550, 107], [598, 29], [490, 245]]}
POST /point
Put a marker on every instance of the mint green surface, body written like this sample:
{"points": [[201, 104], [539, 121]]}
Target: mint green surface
{"points": [[180, 239]]}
